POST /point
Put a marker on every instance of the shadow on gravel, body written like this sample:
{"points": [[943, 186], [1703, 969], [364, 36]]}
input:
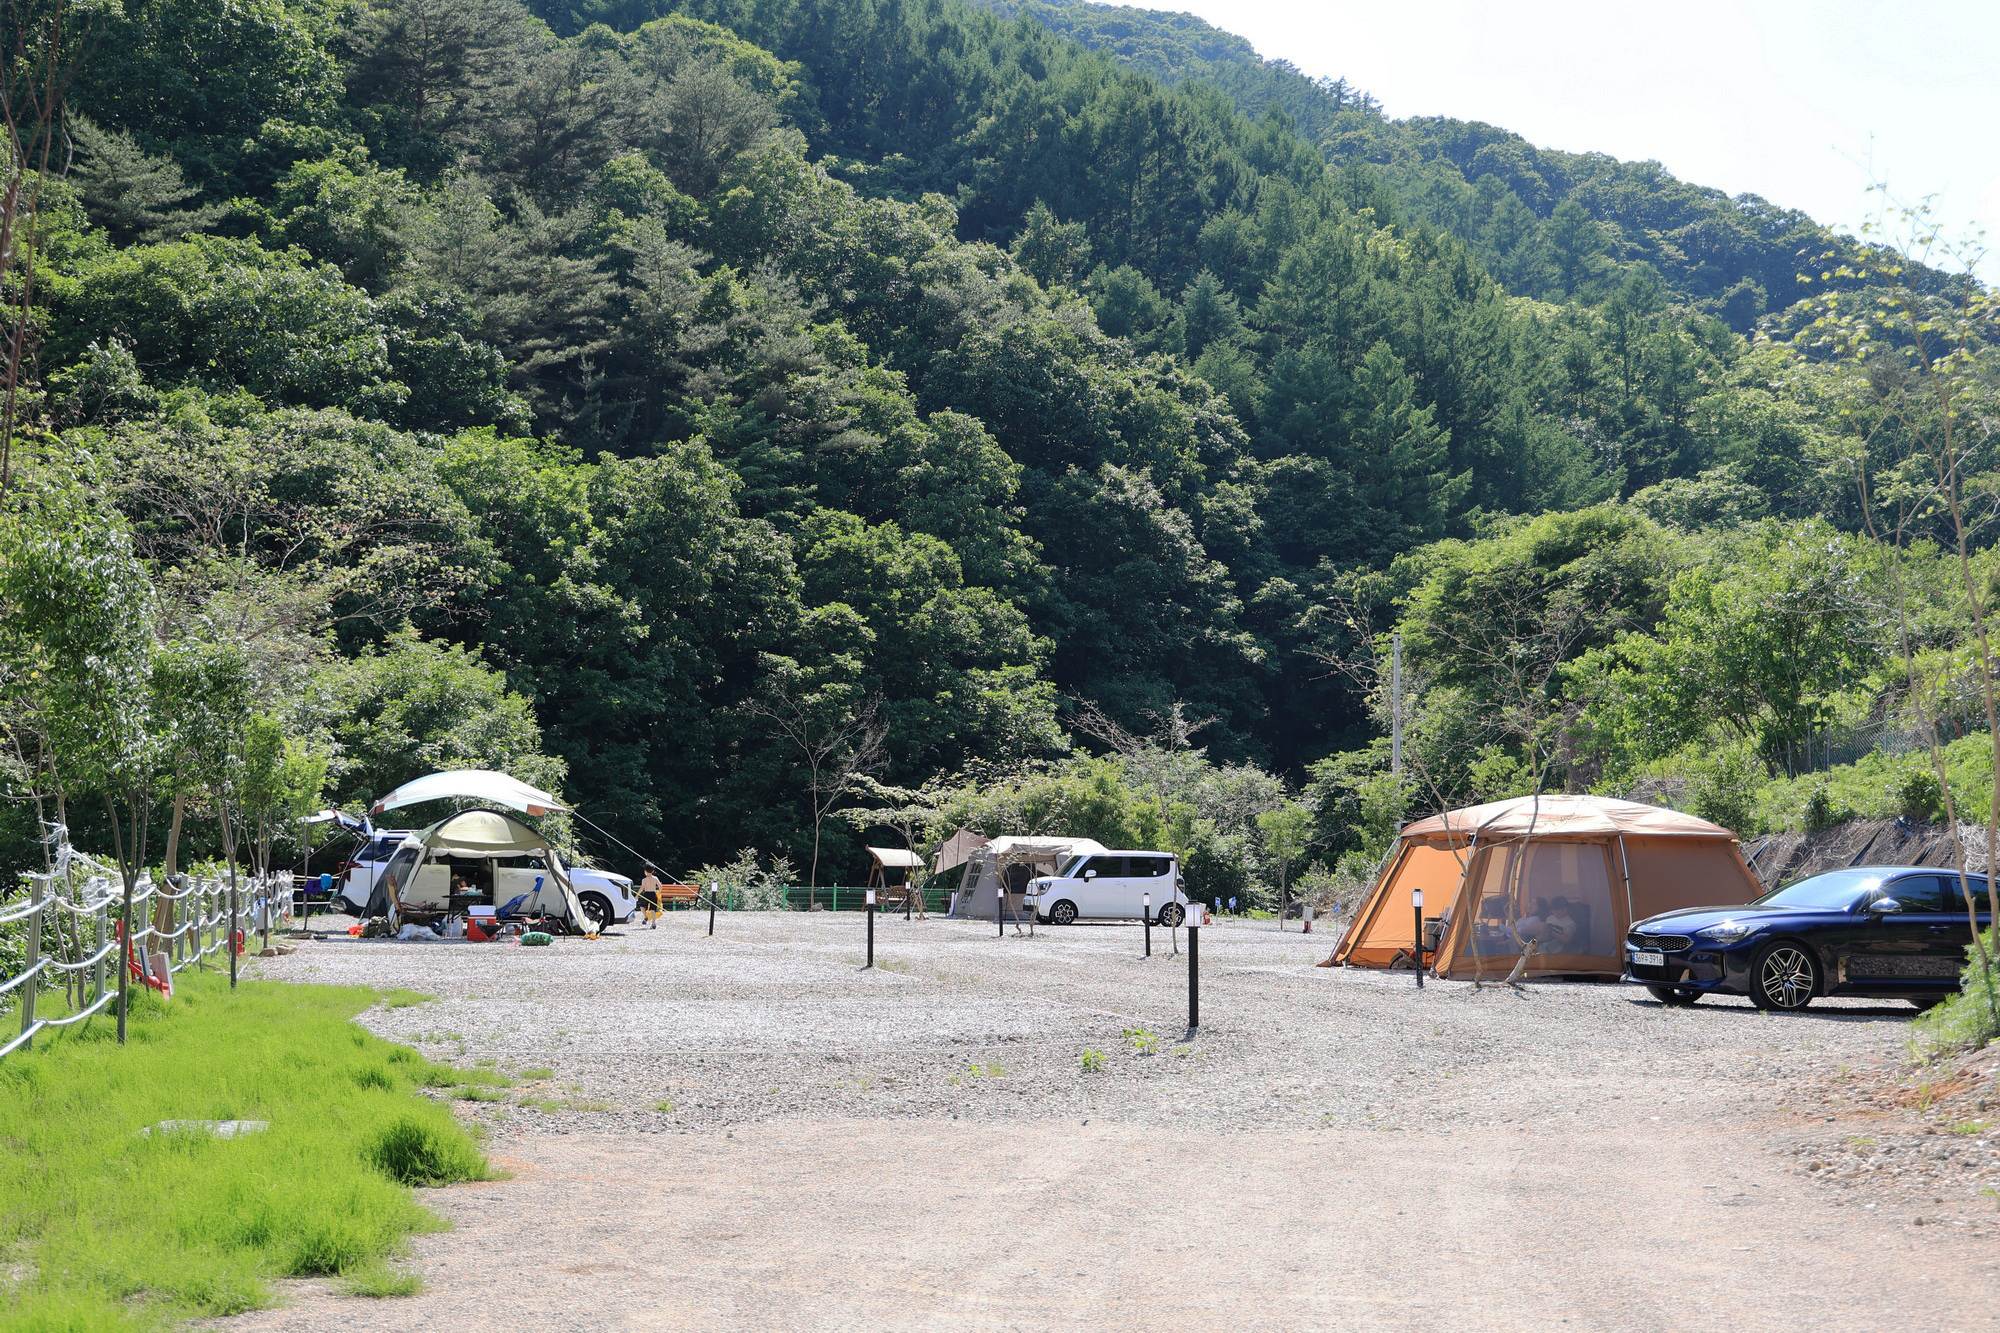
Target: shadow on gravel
{"points": [[1745, 1009]]}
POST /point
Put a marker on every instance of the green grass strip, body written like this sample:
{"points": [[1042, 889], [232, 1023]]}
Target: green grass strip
{"points": [[102, 1228]]}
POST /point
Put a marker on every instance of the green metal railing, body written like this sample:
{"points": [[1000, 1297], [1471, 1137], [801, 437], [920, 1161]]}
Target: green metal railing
{"points": [[799, 898]]}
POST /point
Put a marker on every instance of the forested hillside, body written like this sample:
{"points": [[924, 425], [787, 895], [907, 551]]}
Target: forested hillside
{"points": [[736, 413], [1524, 211]]}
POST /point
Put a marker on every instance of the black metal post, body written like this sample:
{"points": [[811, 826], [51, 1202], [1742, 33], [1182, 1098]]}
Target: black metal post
{"points": [[1417, 945], [1194, 974], [1147, 915], [868, 910], [908, 889], [1000, 910]]}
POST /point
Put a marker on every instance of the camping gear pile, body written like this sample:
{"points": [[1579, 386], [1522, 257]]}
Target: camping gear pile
{"points": [[1539, 886]]}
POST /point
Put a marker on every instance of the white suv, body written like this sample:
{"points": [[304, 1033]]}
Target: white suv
{"points": [[1111, 886]]}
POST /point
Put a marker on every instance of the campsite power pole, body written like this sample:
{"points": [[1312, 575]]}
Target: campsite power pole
{"points": [[1396, 704]]}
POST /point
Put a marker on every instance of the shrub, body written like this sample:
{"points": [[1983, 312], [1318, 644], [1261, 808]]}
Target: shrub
{"points": [[1969, 1019], [1918, 796], [416, 1153]]}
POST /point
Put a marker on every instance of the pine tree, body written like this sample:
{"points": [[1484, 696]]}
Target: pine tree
{"points": [[1209, 317], [1399, 458], [1052, 252], [129, 192], [1579, 246]]}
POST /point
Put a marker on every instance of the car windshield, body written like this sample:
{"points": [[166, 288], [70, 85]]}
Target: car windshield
{"points": [[1840, 889], [1069, 863]]}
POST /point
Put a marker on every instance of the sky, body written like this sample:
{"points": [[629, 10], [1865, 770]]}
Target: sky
{"points": [[1804, 102]]}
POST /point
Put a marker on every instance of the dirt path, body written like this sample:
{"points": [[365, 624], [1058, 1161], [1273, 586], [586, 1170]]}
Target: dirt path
{"points": [[921, 1225], [1333, 1152]]}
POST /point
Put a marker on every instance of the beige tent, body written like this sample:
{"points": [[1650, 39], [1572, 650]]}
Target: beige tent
{"points": [[957, 848], [478, 835], [1005, 865], [1495, 876]]}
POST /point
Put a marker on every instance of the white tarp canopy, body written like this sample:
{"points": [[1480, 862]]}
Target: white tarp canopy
{"points": [[474, 784], [1008, 859], [893, 857]]}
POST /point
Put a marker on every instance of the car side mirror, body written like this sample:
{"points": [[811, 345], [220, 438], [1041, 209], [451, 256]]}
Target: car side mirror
{"points": [[1090, 874], [1885, 905]]}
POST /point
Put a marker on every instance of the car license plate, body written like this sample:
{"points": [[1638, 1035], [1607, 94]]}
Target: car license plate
{"points": [[1649, 960]]}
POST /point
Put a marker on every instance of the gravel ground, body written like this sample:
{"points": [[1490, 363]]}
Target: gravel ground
{"points": [[1573, 1142]]}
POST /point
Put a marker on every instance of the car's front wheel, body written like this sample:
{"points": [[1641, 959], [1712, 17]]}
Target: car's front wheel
{"points": [[1673, 995], [1785, 977], [1172, 914], [596, 911], [1063, 913]]}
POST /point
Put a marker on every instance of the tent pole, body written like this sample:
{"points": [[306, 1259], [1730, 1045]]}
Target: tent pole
{"points": [[1625, 864]]}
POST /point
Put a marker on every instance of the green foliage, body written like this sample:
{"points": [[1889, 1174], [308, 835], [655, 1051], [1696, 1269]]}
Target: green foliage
{"points": [[1971, 1018], [112, 1223], [416, 706], [558, 386]]}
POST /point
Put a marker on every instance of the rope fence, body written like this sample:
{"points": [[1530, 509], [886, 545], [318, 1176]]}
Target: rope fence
{"points": [[71, 929]]}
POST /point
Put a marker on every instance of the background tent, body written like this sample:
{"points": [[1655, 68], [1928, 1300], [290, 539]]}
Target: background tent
{"points": [[957, 848], [1486, 869], [1011, 862]]}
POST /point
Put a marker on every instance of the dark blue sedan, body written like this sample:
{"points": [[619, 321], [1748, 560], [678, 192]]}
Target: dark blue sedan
{"points": [[1893, 931]]}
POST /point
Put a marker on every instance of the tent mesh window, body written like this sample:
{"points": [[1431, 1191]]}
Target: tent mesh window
{"points": [[1556, 892]]}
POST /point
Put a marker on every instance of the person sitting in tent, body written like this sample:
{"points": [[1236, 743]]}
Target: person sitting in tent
{"points": [[1561, 931], [1532, 927]]}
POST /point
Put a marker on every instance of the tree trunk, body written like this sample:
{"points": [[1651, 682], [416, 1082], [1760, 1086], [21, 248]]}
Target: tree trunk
{"points": [[163, 908]]}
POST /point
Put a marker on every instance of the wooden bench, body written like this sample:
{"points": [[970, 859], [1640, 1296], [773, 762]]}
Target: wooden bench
{"points": [[671, 893]]}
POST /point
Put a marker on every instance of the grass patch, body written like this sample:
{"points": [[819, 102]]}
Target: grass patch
{"points": [[403, 999], [114, 1230], [472, 1092], [536, 1075], [381, 1280]]}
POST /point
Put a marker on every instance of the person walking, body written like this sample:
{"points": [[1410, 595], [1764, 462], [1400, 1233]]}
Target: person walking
{"points": [[649, 897]]}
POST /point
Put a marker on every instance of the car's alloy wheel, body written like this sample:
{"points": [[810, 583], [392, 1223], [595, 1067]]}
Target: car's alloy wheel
{"points": [[1673, 995], [1784, 977], [1063, 914], [596, 911], [1172, 915]]}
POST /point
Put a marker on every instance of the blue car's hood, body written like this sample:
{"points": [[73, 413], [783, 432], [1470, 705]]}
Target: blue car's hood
{"points": [[1690, 919]]}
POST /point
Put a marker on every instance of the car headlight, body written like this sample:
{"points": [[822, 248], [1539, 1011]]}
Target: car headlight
{"points": [[1727, 932]]}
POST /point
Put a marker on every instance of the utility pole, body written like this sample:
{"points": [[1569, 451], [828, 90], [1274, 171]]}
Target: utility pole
{"points": [[1396, 704]]}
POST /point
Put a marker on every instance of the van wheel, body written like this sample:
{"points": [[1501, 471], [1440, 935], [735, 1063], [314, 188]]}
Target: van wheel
{"points": [[1063, 913], [1172, 915], [596, 911]]}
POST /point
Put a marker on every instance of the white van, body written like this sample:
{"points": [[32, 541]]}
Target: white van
{"points": [[1110, 886]]}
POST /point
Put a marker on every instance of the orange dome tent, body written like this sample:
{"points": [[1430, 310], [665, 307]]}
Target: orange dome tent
{"points": [[1495, 875]]}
